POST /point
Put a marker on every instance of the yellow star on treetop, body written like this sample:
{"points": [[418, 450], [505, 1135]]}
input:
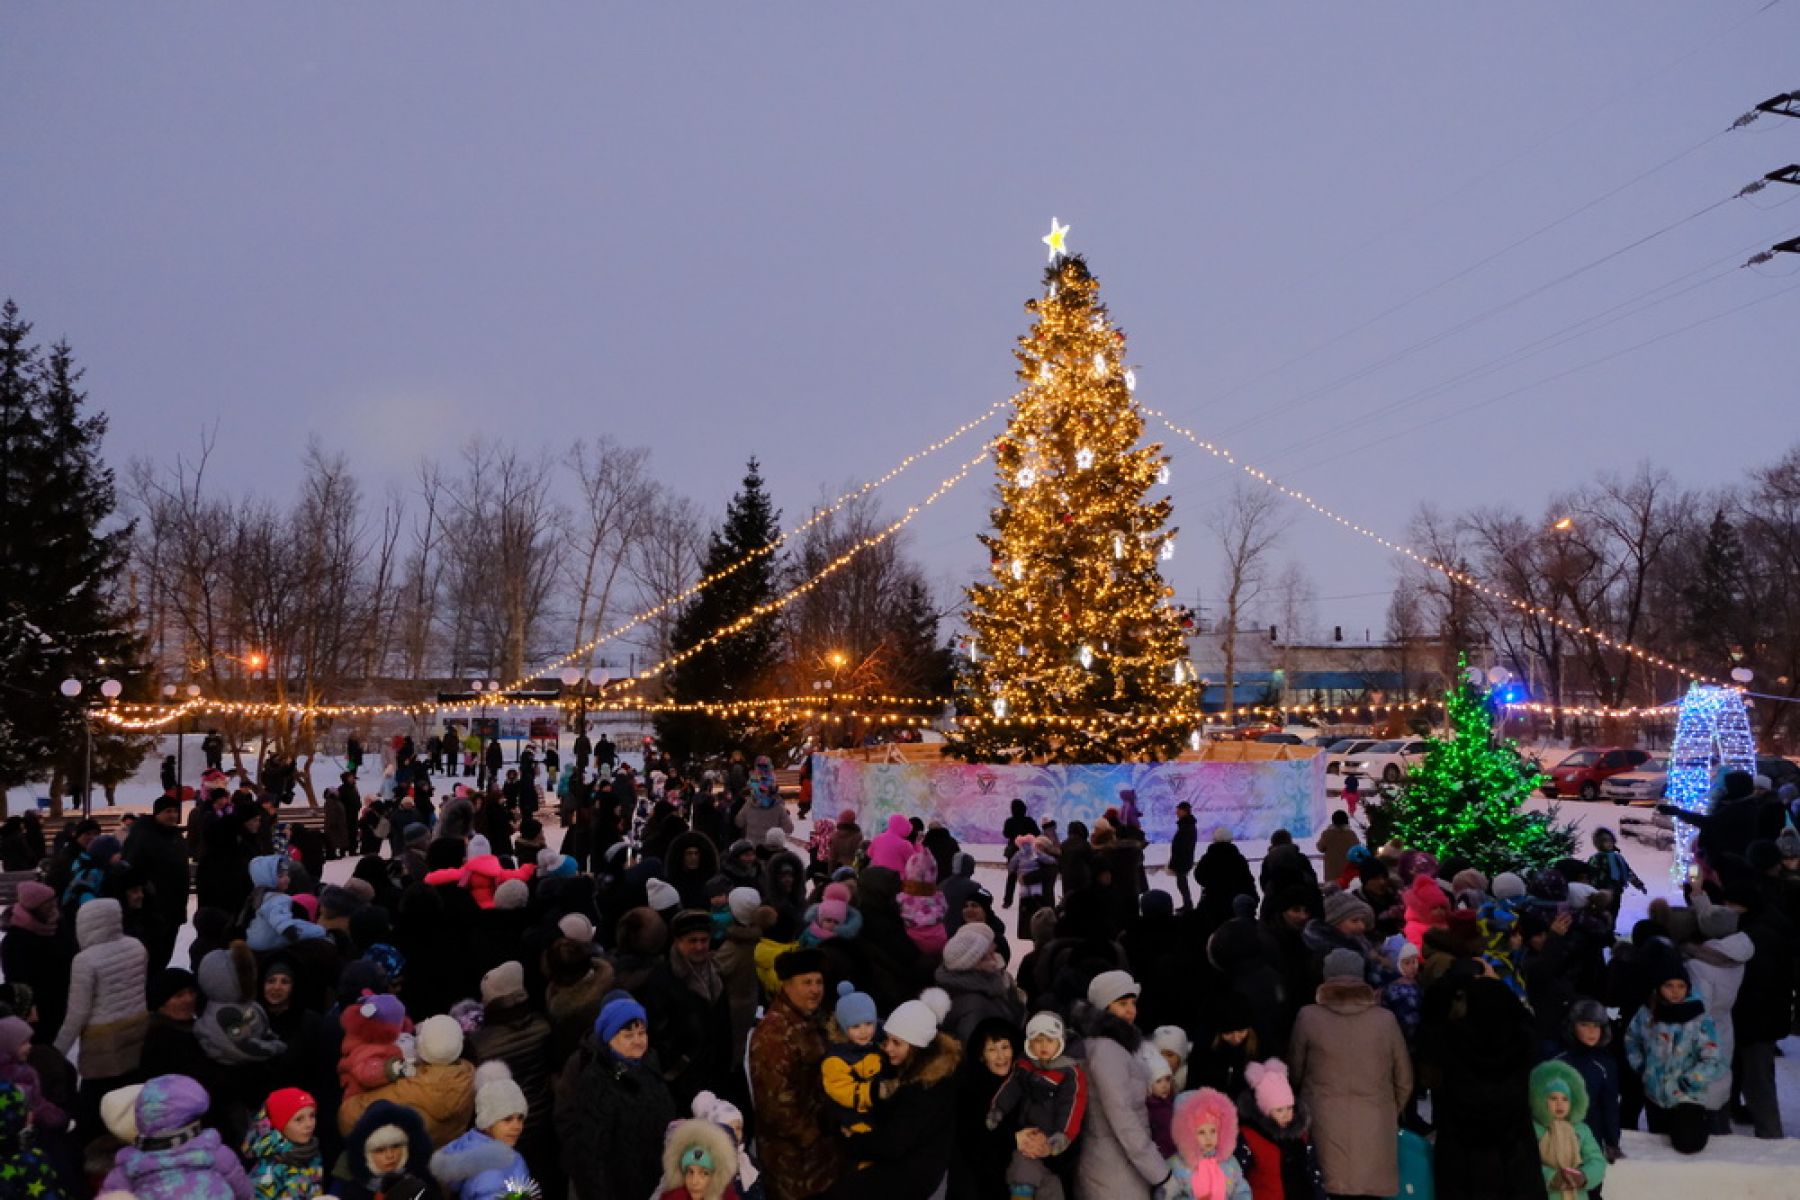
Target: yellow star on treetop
{"points": [[1055, 239]]}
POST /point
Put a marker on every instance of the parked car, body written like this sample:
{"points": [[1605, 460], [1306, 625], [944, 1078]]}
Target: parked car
{"points": [[1644, 784], [1582, 773], [1341, 751], [1387, 762], [1282, 739]]}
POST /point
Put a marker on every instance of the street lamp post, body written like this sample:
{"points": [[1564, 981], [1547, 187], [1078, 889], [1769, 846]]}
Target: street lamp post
{"points": [[72, 688], [170, 692]]}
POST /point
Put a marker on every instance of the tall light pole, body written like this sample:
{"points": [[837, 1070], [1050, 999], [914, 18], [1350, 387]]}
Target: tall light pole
{"points": [[72, 688], [170, 692]]}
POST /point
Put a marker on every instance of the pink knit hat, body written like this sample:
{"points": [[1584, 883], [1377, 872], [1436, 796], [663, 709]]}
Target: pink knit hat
{"points": [[1270, 1082]]}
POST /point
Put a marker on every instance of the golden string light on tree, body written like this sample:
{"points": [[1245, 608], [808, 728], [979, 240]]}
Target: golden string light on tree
{"points": [[1074, 639]]}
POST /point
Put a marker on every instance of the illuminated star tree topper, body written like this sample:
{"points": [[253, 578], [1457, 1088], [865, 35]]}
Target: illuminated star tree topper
{"points": [[1077, 653]]}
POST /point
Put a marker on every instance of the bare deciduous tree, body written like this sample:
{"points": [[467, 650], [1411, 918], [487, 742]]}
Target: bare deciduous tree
{"points": [[1247, 524]]}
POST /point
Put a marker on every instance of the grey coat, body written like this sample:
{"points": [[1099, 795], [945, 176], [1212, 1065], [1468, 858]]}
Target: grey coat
{"points": [[1119, 1160], [1350, 1065]]}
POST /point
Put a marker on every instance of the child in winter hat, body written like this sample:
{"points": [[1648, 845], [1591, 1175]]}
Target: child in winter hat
{"points": [[708, 1107], [854, 1065], [1049, 1093], [1278, 1158], [1587, 1038], [174, 1157], [699, 1162], [282, 1149], [386, 1154], [1203, 1167], [1159, 1103], [485, 1161], [922, 906], [1573, 1164], [1171, 1041], [371, 1054]]}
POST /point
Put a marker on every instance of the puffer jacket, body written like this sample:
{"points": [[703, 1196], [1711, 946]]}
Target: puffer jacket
{"points": [[1676, 1050], [893, 845], [280, 1170], [275, 924], [106, 993], [1119, 1158], [482, 876], [477, 1167], [233, 1029], [441, 1095], [186, 1161], [1717, 969]]}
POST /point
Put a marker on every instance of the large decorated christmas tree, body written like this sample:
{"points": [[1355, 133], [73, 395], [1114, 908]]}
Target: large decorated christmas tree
{"points": [[1076, 653], [1466, 797]]}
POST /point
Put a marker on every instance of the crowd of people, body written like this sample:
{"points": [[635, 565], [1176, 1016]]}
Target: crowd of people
{"points": [[695, 995]]}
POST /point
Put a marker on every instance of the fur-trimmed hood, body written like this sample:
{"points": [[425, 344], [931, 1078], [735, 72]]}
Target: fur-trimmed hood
{"points": [[1203, 1107], [1097, 1022], [719, 1145], [1347, 996], [1554, 1073], [933, 1064], [1251, 1117], [472, 1154], [385, 1114]]}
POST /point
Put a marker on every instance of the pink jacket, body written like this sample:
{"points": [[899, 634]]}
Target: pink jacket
{"points": [[893, 846], [481, 875]]}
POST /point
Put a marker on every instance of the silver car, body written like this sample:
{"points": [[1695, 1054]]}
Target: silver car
{"points": [[1644, 785]]}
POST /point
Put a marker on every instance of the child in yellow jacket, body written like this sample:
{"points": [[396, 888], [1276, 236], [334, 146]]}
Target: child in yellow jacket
{"points": [[852, 1068]]}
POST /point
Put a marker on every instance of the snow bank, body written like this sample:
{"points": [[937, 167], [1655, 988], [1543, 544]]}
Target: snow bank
{"points": [[1744, 1168]]}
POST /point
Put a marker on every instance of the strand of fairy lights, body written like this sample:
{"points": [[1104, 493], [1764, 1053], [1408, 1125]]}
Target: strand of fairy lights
{"points": [[831, 568], [707, 581], [1423, 560]]}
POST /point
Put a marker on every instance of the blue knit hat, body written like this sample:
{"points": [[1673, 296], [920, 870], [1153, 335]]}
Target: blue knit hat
{"points": [[854, 1007], [618, 1012]]}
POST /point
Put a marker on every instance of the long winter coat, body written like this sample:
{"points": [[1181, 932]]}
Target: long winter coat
{"points": [[35, 953], [1350, 1062], [799, 1159], [906, 1155], [1119, 1158], [1485, 1149], [611, 1114], [106, 993]]}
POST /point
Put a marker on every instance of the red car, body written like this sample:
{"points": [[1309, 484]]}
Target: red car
{"points": [[1582, 772]]}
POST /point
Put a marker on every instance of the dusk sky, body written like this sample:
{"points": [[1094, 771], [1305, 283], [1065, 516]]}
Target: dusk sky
{"points": [[805, 232]]}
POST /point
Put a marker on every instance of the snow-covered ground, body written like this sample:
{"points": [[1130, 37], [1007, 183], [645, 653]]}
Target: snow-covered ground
{"points": [[1652, 865]]}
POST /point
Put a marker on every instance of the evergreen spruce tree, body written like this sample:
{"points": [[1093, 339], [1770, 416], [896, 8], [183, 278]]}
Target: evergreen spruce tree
{"points": [[1715, 616], [1466, 796], [1078, 654], [923, 664], [736, 666], [62, 561]]}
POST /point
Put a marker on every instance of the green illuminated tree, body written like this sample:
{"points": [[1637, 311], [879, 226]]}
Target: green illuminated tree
{"points": [[1467, 797]]}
